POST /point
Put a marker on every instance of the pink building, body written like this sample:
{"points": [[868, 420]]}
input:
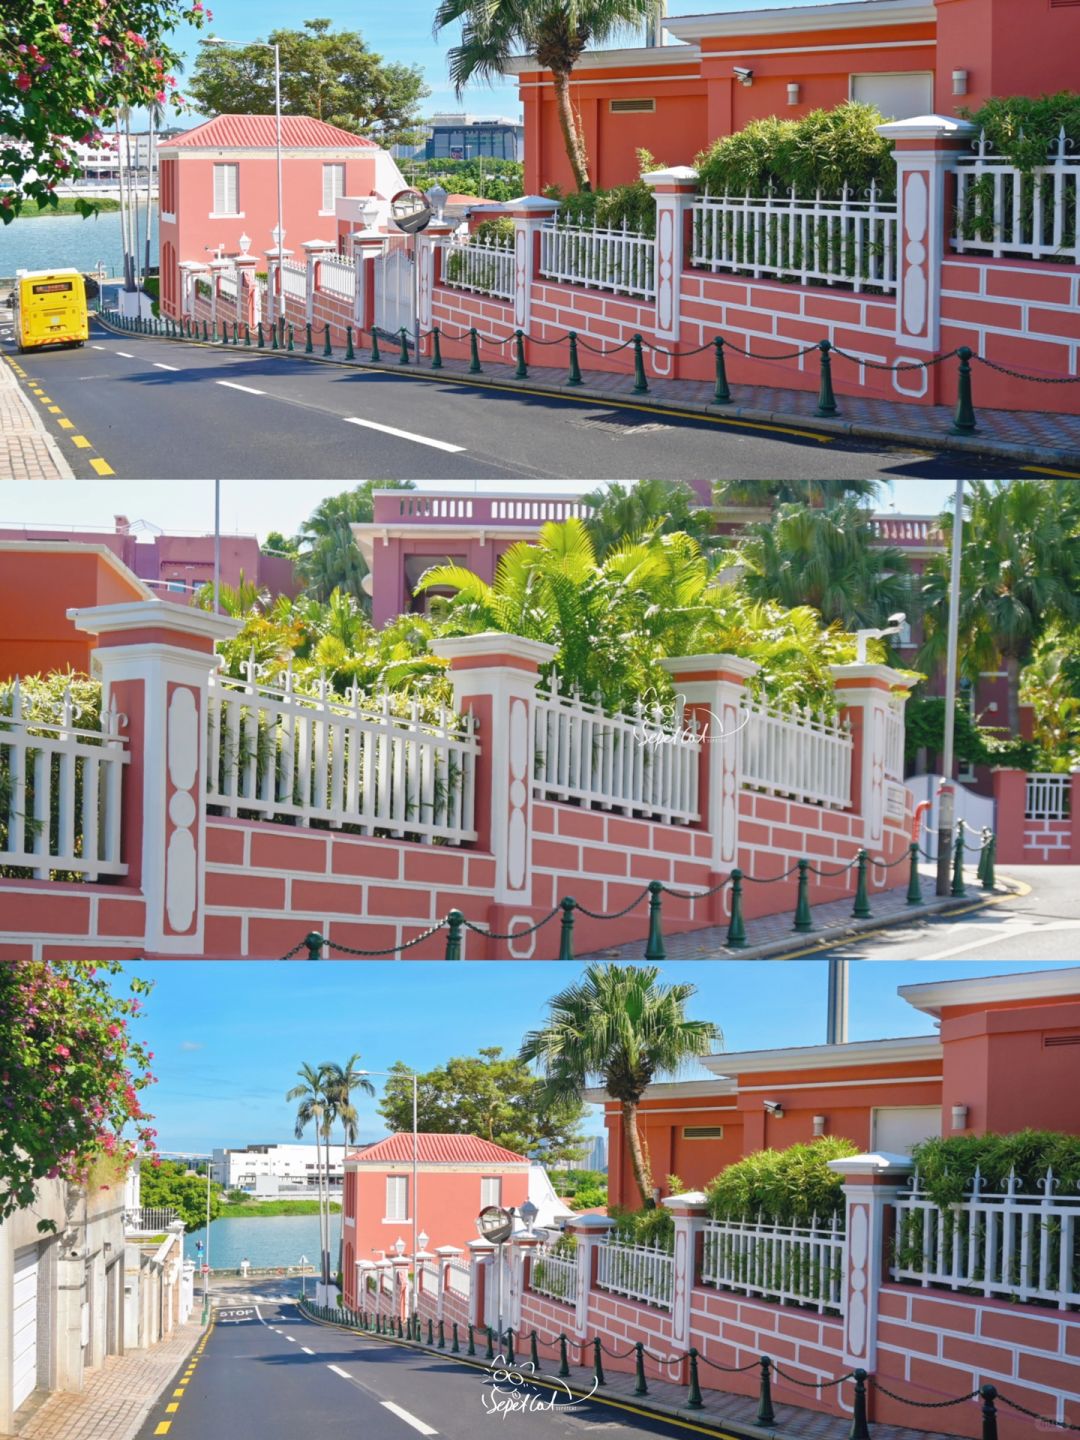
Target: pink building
{"points": [[219, 188]]}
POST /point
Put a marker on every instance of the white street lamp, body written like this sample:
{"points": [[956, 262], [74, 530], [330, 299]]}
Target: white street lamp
{"points": [[399, 1247], [303, 1269], [422, 1240]]}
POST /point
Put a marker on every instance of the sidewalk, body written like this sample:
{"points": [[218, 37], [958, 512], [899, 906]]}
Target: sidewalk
{"points": [[774, 934], [27, 450], [1027, 437], [116, 1398]]}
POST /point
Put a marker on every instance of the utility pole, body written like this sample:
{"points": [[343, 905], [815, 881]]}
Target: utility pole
{"points": [[837, 1028], [947, 796]]}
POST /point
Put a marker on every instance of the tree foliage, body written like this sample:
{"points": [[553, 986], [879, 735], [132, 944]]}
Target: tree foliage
{"points": [[648, 507], [491, 1095], [924, 729], [331, 75], [68, 70], [171, 1183], [486, 177], [947, 1164], [329, 556]]}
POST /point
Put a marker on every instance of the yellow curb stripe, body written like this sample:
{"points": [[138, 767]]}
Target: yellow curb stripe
{"points": [[163, 1428], [101, 467], [55, 410], [172, 1408], [1046, 470], [179, 1393], [66, 424]]}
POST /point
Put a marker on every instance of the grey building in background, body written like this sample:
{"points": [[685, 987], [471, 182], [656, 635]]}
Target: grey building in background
{"points": [[467, 137]]}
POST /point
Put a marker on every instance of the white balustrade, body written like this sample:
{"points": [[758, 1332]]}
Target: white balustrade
{"points": [[577, 253], [554, 1272], [795, 1264], [641, 1272], [459, 1277], [796, 754], [1048, 797], [1002, 211], [1008, 1245], [846, 241], [541, 510], [321, 757], [643, 764], [337, 277], [294, 279], [482, 264], [60, 791], [149, 1219]]}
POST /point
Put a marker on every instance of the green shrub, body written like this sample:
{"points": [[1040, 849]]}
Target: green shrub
{"points": [[1023, 130], [644, 1227], [947, 1165], [608, 209], [482, 274], [924, 729], [786, 1187]]}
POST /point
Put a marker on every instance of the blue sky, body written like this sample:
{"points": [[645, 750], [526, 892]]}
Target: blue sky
{"points": [[228, 1037]]}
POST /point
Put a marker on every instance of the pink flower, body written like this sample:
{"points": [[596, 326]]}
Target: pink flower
{"points": [[64, 31], [62, 1050], [23, 81]]}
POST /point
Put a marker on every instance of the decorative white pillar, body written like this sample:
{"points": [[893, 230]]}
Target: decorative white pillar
{"points": [[248, 307], [218, 268], [155, 659], [589, 1231], [190, 273], [871, 1183], [363, 1269], [521, 1250], [429, 244], [481, 1278], [314, 251], [864, 693], [673, 191], [275, 291], [444, 1254], [690, 1213], [925, 149], [401, 1264], [529, 214]]}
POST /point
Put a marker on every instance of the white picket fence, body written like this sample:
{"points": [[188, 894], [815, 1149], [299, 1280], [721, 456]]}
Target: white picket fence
{"points": [[276, 752], [60, 791], [1011, 1245], [1003, 212], [794, 1264], [337, 277], [227, 284], [459, 1277], [641, 1272], [840, 242], [554, 1273], [1048, 797], [294, 279], [797, 754], [894, 741], [149, 1219], [485, 266], [643, 764], [621, 260]]}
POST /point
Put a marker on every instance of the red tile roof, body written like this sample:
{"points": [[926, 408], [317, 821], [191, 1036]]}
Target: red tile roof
{"points": [[439, 1150], [298, 132]]}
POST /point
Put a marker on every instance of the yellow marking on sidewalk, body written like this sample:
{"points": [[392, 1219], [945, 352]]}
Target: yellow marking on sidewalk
{"points": [[66, 424], [101, 467], [81, 443]]}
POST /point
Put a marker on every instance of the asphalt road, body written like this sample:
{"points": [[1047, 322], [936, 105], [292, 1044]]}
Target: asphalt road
{"points": [[167, 410], [266, 1371]]}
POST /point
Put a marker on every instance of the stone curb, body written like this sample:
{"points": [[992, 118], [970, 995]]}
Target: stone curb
{"points": [[844, 429]]}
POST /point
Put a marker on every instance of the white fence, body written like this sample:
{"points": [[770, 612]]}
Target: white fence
{"points": [[149, 1219], [894, 741], [60, 791], [1048, 797], [554, 1273], [641, 1272], [336, 276], [643, 764], [227, 284], [622, 260], [797, 1265], [459, 1277], [1003, 212], [1021, 1247], [846, 241], [796, 754], [275, 752], [294, 279], [485, 266]]}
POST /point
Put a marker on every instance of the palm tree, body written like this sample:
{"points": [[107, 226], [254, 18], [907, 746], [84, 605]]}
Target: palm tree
{"points": [[312, 1110], [791, 492], [553, 32], [825, 558], [329, 556], [1018, 572], [617, 1024], [340, 1082], [649, 507]]}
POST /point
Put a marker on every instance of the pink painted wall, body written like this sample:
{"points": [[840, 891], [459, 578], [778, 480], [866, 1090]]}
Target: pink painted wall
{"points": [[449, 1204]]}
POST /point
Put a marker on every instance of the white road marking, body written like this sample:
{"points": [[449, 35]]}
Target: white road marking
{"points": [[97, 347], [247, 389], [338, 1371], [401, 435], [125, 355], [159, 366], [409, 1419], [306, 1350], [1011, 930], [292, 1338]]}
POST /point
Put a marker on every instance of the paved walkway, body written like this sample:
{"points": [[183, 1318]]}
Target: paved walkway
{"points": [[117, 1397], [27, 450], [774, 934]]}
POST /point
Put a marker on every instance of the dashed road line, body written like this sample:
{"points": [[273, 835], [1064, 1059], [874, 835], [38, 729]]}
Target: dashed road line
{"points": [[306, 1350], [338, 1371], [416, 1424], [232, 385], [400, 434], [159, 366], [124, 354]]}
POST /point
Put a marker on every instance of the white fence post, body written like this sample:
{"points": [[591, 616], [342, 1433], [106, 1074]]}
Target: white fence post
{"points": [[444, 1254], [482, 1276], [871, 697], [690, 1213], [314, 250], [529, 214], [428, 244], [925, 151], [590, 1231], [673, 191], [871, 1184], [523, 1249]]}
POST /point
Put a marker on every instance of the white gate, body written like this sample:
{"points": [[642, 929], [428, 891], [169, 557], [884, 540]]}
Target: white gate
{"points": [[975, 811], [395, 292], [24, 1327]]}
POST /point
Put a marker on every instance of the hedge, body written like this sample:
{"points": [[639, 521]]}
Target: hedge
{"points": [[947, 1165], [785, 1187]]}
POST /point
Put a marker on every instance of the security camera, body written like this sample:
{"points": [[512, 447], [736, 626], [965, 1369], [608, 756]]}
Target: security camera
{"points": [[774, 1108], [743, 74]]}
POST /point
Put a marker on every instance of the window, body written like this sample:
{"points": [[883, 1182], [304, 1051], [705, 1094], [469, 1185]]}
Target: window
{"points": [[703, 1132], [490, 1190], [226, 189], [333, 185], [631, 107], [397, 1197], [898, 96]]}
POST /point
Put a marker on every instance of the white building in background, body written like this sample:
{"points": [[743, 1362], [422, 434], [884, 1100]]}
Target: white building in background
{"points": [[271, 1169]]}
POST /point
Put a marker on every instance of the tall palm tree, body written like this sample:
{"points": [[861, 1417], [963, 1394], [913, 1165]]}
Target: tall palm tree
{"points": [[648, 507], [618, 1025], [553, 32], [312, 1110], [791, 492], [340, 1082], [329, 556]]}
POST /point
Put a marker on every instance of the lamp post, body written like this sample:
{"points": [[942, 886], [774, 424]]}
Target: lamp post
{"points": [[415, 1205], [947, 798]]}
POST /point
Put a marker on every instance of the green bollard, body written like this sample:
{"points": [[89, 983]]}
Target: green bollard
{"points": [[455, 1348], [598, 1363], [205, 333], [314, 943], [989, 879], [454, 921], [403, 358], [274, 341], [291, 346], [375, 356], [430, 1331], [914, 886], [307, 338], [490, 1352], [804, 921], [694, 1400], [510, 1357], [534, 1353], [574, 378], [521, 371], [989, 1412], [213, 333], [964, 418], [736, 930], [471, 1350], [327, 350], [654, 946], [766, 1415], [436, 349], [641, 385], [862, 899], [721, 390], [980, 869], [564, 1361], [474, 352], [640, 1386], [958, 862], [350, 353], [400, 1329], [247, 336], [826, 404], [860, 1430], [566, 937], [235, 333], [442, 1335]]}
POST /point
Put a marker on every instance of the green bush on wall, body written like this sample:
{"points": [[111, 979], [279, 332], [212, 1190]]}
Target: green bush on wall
{"points": [[947, 1165], [785, 1187]]}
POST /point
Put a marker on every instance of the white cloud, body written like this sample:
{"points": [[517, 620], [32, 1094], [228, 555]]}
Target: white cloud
{"points": [[192, 1045]]}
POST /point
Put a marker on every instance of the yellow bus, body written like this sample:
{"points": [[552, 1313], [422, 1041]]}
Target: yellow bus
{"points": [[50, 308]]}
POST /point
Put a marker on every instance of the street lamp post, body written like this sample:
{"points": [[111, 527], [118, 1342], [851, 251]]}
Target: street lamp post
{"points": [[947, 798]]}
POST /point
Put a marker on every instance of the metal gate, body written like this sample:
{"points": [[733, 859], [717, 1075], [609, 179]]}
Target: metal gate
{"points": [[395, 292], [24, 1325]]}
